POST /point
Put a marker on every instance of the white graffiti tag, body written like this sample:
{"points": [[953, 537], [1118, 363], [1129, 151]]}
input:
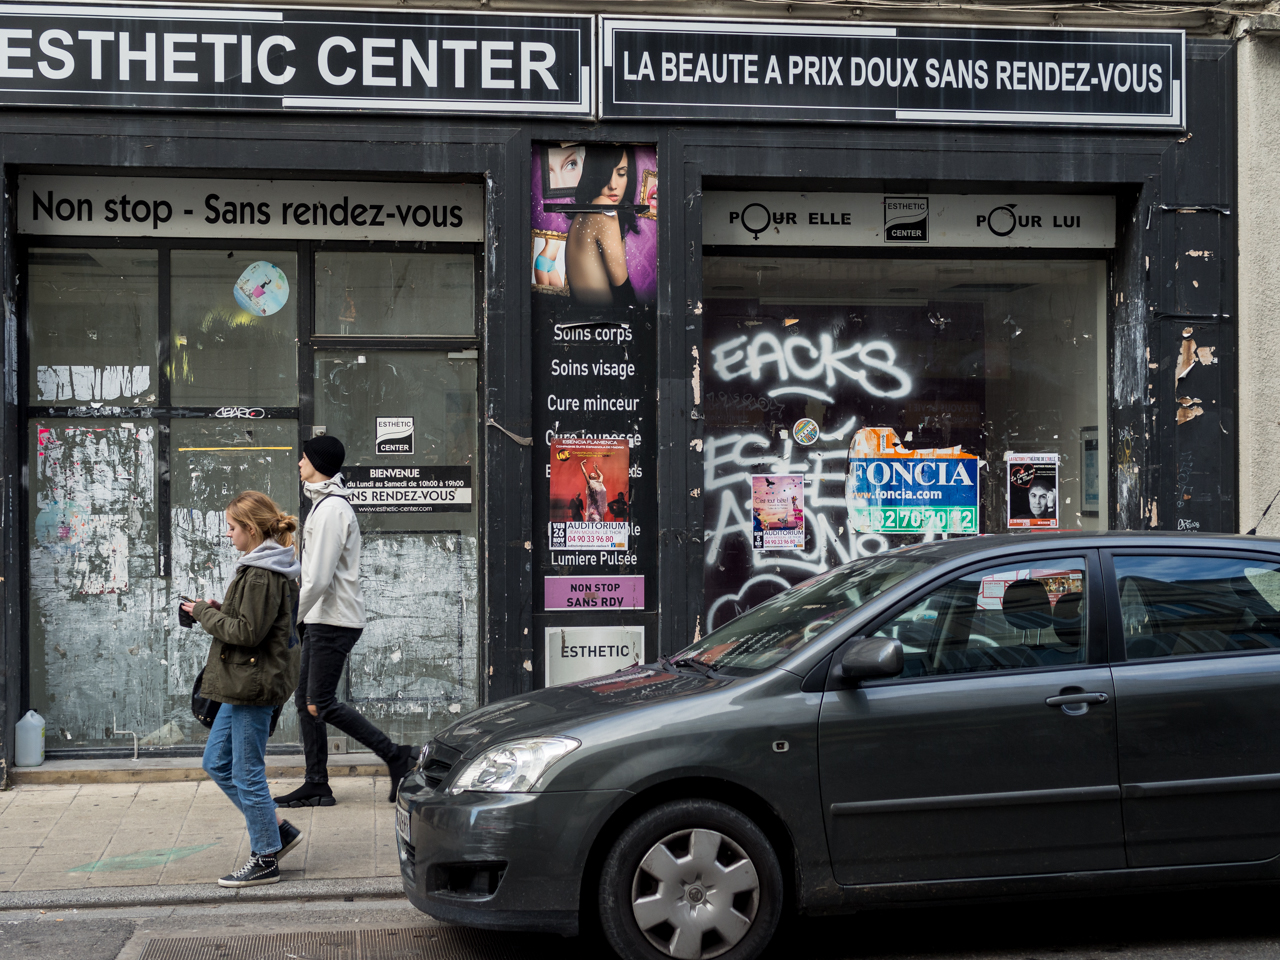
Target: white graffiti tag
{"points": [[797, 359]]}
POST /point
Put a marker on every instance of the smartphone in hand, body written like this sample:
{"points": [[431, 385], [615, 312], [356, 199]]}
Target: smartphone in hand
{"points": [[185, 619]]}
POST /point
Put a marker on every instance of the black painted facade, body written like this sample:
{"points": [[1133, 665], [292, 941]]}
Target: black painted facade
{"points": [[1175, 190]]}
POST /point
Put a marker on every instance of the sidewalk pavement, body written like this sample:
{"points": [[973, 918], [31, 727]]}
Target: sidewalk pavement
{"points": [[174, 835]]}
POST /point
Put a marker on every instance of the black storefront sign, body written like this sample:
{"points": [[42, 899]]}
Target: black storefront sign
{"points": [[775, 71], [409, 489], [258, 58]]}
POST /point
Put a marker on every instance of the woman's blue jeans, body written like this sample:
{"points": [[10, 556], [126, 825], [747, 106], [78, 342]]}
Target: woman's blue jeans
{"points": [[235, 757]]}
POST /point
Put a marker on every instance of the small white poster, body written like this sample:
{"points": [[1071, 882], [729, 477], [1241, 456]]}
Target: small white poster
{"points": [[394, 436], [580, 653]]}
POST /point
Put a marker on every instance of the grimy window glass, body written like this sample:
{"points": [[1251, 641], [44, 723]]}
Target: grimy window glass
{"points": [[102, 641], [210, 461], [93, 319], [367, 294], [987, 359], [235, 328], [414, 668]]}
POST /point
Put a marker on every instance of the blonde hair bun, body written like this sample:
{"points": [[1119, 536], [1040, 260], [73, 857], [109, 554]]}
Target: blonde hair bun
{"points": [[255, 510]]}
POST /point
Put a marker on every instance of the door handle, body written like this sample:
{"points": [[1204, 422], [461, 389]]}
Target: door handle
{"points": [[1067, 699]]}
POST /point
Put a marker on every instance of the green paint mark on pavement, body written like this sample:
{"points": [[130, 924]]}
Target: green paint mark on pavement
{"points": [[142, 859]]}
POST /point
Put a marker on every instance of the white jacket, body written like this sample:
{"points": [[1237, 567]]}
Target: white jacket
{"points": [[331, 558]]}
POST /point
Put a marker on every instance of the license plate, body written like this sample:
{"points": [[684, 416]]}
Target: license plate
{"points": [[402, 824]]}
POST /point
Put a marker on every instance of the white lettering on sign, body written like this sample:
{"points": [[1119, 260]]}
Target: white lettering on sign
{"points": [[195, 207]]}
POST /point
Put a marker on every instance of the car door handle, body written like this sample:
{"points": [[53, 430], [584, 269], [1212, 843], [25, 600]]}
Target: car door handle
{"points": [[1069, 698]]}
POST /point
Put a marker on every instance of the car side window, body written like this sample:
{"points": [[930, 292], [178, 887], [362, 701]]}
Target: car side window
{"points": [[1000, 618], [1180, 606]]}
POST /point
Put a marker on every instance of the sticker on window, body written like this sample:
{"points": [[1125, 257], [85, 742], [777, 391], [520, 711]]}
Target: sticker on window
{"points": [[262, 289]]}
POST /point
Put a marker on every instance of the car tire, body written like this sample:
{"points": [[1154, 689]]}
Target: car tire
{"points": [[694, 879]]}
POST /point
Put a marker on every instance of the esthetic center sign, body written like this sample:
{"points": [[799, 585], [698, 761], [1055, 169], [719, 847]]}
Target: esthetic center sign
{"points": [[779, 70], [257, 58]]}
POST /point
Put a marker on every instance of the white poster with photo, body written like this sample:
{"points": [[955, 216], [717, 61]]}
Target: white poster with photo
{"points": [[1032, 491]]}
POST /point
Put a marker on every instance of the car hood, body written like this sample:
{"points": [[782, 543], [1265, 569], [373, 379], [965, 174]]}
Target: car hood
{"points": [[553, 710]]}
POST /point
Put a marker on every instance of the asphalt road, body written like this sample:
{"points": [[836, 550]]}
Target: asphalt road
{"points": [[1239, 924]]}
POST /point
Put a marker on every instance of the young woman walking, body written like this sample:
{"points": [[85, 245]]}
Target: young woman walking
{"points": [[252, 669]]}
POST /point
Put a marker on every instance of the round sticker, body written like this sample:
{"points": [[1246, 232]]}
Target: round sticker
{"points": [[262, 289], [805, 432]]}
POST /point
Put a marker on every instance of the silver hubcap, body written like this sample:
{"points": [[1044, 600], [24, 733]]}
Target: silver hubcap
{"points": [[695, 894]]}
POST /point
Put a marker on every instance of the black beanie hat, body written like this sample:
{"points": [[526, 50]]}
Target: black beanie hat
{"points": [[326, 454]]}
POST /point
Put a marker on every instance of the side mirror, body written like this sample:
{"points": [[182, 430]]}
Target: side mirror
{"points": [[869, 657]]}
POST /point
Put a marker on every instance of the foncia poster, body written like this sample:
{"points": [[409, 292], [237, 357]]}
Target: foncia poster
{"points": [[893, 489]]}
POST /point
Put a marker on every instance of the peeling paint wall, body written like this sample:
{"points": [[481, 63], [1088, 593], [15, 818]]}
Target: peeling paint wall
{"points": [[98, 610], [414, 669]]}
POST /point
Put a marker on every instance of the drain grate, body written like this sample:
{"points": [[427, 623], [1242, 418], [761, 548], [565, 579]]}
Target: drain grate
{"points": [[404, 943]]}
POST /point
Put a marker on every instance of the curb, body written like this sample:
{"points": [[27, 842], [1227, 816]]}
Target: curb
{"points": [[197, 893], [174, 770]]}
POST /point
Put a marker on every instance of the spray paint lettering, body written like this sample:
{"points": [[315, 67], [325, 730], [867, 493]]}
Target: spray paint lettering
{"points": [[796, 358]]}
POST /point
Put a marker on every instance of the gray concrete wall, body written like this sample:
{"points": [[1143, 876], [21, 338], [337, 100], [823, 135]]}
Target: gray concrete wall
{"points": [[1258, 106]]}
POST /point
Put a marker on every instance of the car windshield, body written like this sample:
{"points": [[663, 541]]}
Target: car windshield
{"points": [[780, 626]]}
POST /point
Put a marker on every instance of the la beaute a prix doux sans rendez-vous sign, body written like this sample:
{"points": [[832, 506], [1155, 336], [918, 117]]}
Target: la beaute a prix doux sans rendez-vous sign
{"points": [[760, 71], [252, 58]]}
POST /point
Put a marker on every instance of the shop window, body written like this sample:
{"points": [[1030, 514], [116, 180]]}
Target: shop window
{"points": [[99, 638], [997, 367], [419, 562], [127, 512], [234, 328], [94, 318], [365, 294]]}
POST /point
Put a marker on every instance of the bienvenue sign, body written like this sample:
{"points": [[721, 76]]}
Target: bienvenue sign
{"points": [[779, 70], [883, 220]]}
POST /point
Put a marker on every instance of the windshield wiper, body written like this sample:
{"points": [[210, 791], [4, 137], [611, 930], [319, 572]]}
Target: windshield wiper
{"points": [[705, 669]]}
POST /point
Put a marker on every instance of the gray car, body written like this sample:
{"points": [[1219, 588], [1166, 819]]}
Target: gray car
{"points": [[989, 717]]}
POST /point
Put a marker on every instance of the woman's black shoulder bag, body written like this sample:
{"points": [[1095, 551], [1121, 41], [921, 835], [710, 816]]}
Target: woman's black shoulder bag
{"points": [[202, 708]]}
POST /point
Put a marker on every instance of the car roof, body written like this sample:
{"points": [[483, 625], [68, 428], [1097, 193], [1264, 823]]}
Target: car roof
{"points": [[959, 547]]}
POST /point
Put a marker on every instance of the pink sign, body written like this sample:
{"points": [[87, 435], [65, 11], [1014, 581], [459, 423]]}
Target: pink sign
{"points": [[594, 593]]}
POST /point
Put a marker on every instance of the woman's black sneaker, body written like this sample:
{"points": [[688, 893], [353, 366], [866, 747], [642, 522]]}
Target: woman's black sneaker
{"points": [[257, 870], [290, 837], [400, 765], [308, 795]]}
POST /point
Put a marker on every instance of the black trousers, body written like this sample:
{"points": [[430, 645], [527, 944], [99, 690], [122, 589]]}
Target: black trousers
{"points": [[324, 653]]}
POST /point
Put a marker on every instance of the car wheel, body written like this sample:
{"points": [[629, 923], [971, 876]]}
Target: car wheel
{"points": [[692, 879]]}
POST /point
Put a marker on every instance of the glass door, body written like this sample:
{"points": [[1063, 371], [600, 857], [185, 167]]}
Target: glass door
{"points": [[395, 377]]}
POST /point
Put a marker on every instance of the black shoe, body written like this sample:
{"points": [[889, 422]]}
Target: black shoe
{"points": [[257, 870], [308, 795], [399, 765], [290, 837]]}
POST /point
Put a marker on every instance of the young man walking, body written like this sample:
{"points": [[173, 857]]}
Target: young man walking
{"points": [[330, 621]]}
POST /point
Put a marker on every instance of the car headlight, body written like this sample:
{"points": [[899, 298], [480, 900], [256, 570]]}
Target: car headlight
{"points": [[513, 767]]}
